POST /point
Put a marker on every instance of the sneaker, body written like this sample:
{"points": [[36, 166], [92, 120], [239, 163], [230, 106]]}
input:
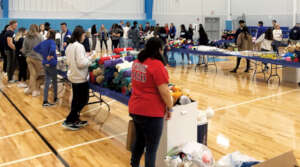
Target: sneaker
{"points": [[233, 71], [36, 93], [71, 126], [81, 123], [22, 85], [12, 81], [55, 100], [27, 91], [47, 104], [190, 62]]}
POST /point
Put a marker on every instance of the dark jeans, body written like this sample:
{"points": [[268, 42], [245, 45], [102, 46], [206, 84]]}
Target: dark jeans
{"points": [[115, 44], [22, 68], [51, 76], [148, 134], [105, 43], [136, 45], [4, 57], [80, 99], [11, 64], [94, 42], [166, 55], [238, 62]]}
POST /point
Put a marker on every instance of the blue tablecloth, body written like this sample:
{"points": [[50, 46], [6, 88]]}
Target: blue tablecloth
{"points": [[103, 91], [256, 58]]}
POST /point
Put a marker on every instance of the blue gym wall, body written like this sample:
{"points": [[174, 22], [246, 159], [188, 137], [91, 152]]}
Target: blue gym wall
{"points": [[72, 23]]}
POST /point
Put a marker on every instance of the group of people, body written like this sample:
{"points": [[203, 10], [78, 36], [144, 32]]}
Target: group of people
{"points": [[265, 40]]}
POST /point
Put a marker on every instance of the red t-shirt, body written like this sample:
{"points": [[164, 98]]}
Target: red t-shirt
{"points": [[145, 99]]}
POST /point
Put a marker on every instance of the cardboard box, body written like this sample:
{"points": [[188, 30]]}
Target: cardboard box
{"points": [[285, 160]]}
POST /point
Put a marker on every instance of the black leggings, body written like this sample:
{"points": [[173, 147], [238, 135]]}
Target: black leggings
{"points": [[80, 99], [22, 68], [238, 62], [148, 134], [4, 57], [115, 44], [105, 43]]}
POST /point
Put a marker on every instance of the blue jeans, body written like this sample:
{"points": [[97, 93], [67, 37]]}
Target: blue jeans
{"points": [[148, 134], [51, 75], [121, 44]]}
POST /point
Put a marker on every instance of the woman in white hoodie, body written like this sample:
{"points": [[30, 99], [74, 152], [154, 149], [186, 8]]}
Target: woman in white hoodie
{"points": [[78, 63]]}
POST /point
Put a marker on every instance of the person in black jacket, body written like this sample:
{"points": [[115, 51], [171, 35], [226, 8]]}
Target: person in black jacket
{"points": [[295, 34], [94, 36], [184, 35], [2, 48], [163, 35], [21, 57], [203, 39], [239, 30], [190, 32]]}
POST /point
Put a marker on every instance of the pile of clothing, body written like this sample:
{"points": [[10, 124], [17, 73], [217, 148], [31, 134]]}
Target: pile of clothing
{"points": [[113, 72], [292, 53]]}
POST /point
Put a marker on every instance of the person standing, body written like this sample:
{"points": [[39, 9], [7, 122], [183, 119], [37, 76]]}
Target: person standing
{"points": [[10, 49], [43, 32], [148, 107], [163, 35], [184, 35], [125, 37], [172, 31], [147, 27], [78, 63], [295, 34], [244, 43], [274, 22], [22, 64], [94, 37], [167, 28], [260, 29], [47, 49], [65, 38], [203, 40], [2, 49], [190, 33], [134, 36], [103, 37], [278, 37], [121, 28], [115, 36], [265, 43], [242, 24], [33, 59], [47, 26]]}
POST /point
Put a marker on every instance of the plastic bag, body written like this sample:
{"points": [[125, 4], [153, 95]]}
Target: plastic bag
{"points": [[235, 159], [191, 154]]}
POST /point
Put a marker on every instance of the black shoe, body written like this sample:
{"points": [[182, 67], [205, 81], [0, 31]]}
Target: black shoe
{"points": [[233, 71], [47, 104], [71, 126], [246, 71], [81, 123], [55, 100]]}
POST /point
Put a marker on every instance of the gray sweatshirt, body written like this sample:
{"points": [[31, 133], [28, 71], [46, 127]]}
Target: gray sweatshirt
{"points": [[28, 45]]}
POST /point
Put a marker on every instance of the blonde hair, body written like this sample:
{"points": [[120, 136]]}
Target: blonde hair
{"points": [[33, 31], [20, 34]]}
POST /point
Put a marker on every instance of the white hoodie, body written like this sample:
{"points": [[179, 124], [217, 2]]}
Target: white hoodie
{"points": [[78, 63]]}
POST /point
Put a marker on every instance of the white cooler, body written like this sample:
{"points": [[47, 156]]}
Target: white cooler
{"points": [[180, 129]]}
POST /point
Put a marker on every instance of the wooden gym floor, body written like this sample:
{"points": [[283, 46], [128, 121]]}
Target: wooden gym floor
{"points": [[252, 117]]}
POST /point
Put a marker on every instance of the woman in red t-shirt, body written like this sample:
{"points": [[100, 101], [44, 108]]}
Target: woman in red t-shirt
{"points": [[150, 101]]}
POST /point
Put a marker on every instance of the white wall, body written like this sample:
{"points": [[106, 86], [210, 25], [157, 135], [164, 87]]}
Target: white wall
{"points": [[85, 9], [187, 11]]}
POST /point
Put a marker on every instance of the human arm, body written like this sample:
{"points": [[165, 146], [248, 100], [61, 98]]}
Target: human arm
{"points": [[10, 43]]}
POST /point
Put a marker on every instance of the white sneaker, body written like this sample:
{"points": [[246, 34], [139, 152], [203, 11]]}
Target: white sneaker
{"points": [[12, 81], [22, 85], [190, 62], [36, 93], [27, 91]]}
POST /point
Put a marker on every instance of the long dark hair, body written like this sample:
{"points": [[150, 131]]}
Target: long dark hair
{"points": [[269, 34], [52, 34], [202, 33], [94, 29], [77, 33], [245, 30], [151, 50], [183, 28]]}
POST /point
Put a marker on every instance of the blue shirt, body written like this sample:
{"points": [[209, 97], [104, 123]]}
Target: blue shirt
{"points": [[260, 31], [47, 48]]}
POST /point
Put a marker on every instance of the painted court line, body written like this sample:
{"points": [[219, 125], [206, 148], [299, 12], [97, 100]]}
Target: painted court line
{"points": [[47, 125], [91, 142], [25, 159], [255, 100], [62, 150]]}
